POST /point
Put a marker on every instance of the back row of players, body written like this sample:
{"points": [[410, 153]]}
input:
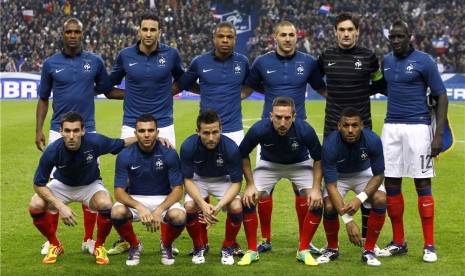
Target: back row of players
{"points": [[149, 68]]}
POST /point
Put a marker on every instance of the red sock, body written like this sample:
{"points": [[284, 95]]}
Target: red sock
{"points": [[265, 209], [395, 207], [53, 219], [193, 227], [301, 208], [89, 222], [104, 225], [332, 230], [127, 232], [375, 224], [250, 227], [232, 227], [42, 223], [203, 227], [426, 210], [172, 232], [310, 225]]}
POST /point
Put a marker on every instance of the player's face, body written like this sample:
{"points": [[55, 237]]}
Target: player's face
{"points": [[399, 38], [282, 118], [285, 38], [149, 33], [350, 128], [210, 134], [224, 39], [147, 134], [72, 35], [72, 133], [346, 34]]}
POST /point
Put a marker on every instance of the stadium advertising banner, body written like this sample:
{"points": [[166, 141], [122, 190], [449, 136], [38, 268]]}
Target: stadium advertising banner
{"points": [[19, 86]]}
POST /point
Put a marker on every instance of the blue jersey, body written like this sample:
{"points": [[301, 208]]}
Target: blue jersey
{"points": [[341, 157], [220, 86], [225, 159], [75, 168], [148, 173], [148, 82], [285, 77], [407, 80], [292, 148], [72, 81]]}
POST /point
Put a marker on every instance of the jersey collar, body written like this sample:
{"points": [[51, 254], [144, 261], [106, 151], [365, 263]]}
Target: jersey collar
{"points": [[142, 53], [285, 58], [68, 56], [407, 53]]}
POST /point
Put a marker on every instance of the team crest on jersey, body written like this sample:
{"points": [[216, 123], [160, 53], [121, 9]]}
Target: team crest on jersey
{"points": [[358, 65], [162, 61], [299, 68], [86, 66], [409, 68], [363, 154], [159, 165], [89, 158], [295, 145], [219, 161], [237, 67]]}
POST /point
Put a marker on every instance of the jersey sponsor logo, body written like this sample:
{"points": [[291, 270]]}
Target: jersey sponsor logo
{"points": [[58, 70], [159, 164], [237, 67], [134, 167], [206, 70], [331, 63], [267, 145], [427, 204], [270, 71], [340, 161], [162, 61], [62, 166], [299, 68], [425, 171], [358, 65], [198, 162], [363, 154], [86, 66], [409, 69], [385, 69], [132, 64]]}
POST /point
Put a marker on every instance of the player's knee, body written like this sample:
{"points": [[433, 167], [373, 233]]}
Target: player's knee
{"points": [[118, 212], [176, 216], [328, 207], [379, 199], [235, 206], [37, 204], [190, 206], [100, 201]]}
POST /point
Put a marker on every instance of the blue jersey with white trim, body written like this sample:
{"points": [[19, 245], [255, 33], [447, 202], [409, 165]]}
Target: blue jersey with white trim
{"points": [[225, 159], [220, 86], [341, 157], [72, 81], [294, 147], [285, 77], [408, 79], [148, 82], [148, 173], [75, 168]]}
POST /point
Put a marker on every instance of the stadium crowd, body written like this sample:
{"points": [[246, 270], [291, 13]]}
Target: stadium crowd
{"points": [[187, 25]]}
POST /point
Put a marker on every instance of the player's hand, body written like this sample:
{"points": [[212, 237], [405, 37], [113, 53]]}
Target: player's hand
{"points": [[352, 206], [250, 195], [436, 146], [146, 217], [165, 142], [40, 141], [354, 234], [315, 199], [208, 215], [157, 215], [67, 215]]}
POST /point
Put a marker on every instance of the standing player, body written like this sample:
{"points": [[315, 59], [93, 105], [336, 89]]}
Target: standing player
{"points": [[408, 141], [148, 68], [352, 75], [148, 187], [221, 74], [284, 72], [352, 159], [72, 75], [287, 144], [76, 179], [211, 165]]}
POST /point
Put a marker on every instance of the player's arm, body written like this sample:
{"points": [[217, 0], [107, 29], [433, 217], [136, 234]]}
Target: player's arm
{"points": [[66, 214], [315, 199], [41, 114], [115, 94], [323, 92], [228, 196], [129, 140], [246, 91], [250, 192], [144, 213], [194, 193], [173, 197], [352, 206], [441, 117], [378, 83]]}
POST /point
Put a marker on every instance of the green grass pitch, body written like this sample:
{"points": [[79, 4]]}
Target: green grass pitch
{"points": [[20, 241]]}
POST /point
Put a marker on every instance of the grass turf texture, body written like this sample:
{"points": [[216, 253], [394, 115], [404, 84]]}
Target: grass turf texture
{"points": [[21, 242]]}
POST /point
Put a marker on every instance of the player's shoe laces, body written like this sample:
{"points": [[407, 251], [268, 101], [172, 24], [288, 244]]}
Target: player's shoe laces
{"points": [[174, 249], [227, 256], [198, 256], [101, 255], [88, 246], [119, 247], [392, 249], [328, 255], [264, 246], [45, 248], [206, 248], [167, 257], [53, 252], [249, 257], [134, 255], [306, 257], [369, 258], [237, 250], [313, 249], [429, 254]]}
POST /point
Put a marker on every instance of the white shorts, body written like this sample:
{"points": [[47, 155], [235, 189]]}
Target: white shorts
{"points": [[151, 202], [407, 150], [236, 136], [267, 174], [214, 186], [165, 132], [83, 194], [355, 182]]}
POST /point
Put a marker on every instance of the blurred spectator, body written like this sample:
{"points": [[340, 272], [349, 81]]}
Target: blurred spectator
{"points": [[11, 66]]}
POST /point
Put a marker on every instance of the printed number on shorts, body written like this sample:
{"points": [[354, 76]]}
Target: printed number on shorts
{"points": [[426, 162]]}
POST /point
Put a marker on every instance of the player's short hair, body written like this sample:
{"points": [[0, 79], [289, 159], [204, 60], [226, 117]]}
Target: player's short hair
{"points": [[73, 20], [146, 118], [350, 112], [224, 24], [401, 24], [347, 16], [208, 116], [282, 24], [149, 16], [284, 101], [72, 117]]}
